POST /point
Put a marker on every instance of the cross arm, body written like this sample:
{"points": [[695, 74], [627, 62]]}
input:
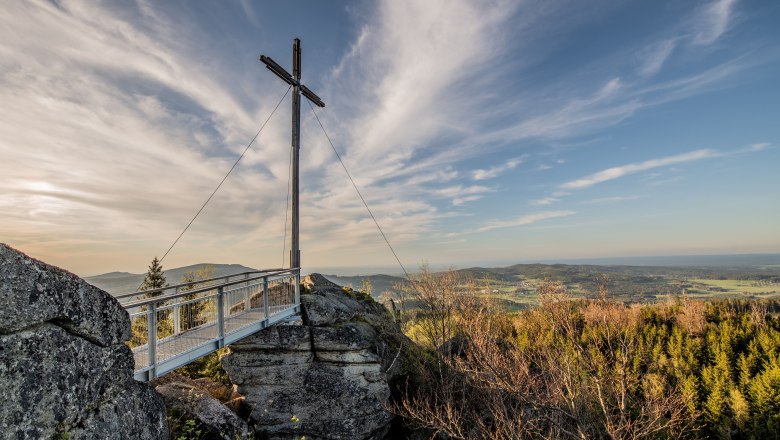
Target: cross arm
{"points": [[278, 70], [312, 96]]}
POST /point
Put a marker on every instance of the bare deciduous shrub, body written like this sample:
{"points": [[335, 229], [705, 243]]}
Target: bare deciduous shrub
{"points": [[693, 316], [758, 312], [436, 298], [548, 372]]}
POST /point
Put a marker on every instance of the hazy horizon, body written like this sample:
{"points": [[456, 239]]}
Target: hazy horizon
{"points": [[709, 260], [477, 130]]}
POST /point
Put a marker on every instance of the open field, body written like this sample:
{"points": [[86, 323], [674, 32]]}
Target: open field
{"points": [[514, 298], [714, 287], [515, 287]]}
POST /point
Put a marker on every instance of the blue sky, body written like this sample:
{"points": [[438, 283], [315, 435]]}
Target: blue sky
{"points": [[479, 132]]}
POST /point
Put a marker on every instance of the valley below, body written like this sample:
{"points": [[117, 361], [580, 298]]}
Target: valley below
{"points": [[516, 287]]}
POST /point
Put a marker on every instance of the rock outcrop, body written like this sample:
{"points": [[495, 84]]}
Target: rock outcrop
{"points": [[325, 376], [65, 371], [214, 420]]}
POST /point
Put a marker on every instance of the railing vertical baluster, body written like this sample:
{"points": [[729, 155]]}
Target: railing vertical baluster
{"points": [[265, 297], [247, 301], [221, 316], [297, 289], [176, 318], [151, 339]]}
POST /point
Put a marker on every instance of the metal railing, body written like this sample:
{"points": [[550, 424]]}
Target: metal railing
{"points": [[179, 324]]}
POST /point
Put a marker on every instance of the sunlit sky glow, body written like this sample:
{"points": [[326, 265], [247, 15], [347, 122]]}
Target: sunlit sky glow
{"points": [[479, 131]]}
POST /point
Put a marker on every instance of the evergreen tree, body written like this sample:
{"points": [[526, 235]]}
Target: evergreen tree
{"points": [[191, 315], [155, 278]]}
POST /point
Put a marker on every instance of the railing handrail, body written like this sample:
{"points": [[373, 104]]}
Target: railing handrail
{"points": [[174, 305], [147, 301], [213, 326], [160, 289]]}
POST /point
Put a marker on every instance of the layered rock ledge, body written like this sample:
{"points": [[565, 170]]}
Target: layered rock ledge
{"points": [[325, 376], [65, 371]]}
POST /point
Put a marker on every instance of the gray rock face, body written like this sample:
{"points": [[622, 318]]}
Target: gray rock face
{"points": [[32, 292], [137, 412], [329, 373], [64, 369], [214, 419]]}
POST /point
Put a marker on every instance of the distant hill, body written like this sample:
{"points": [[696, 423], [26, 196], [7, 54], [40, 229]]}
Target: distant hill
{"points": [[625, 278], [727, 261], [117, 283], [380, 283], [581, 273], [627, 283]]}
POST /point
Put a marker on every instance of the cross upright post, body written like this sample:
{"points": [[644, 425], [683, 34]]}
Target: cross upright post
{"points": [[295, 245], [294, 81]]}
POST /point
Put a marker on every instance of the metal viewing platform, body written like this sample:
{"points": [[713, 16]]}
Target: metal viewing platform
{"points": [[176, 325]]}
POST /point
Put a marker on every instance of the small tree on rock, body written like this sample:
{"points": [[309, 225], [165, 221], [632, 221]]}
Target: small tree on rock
{"points": [[155, 278]]}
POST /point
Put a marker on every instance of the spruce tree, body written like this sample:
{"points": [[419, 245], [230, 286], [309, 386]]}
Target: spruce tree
{"points": [[155, 278], [191, 314]]}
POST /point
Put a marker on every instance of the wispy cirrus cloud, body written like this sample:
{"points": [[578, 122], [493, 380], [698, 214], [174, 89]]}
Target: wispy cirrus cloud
{"points": [[458, 201], [524, 220], [712, 20], [494, 172], [654, 57], [759, 146], [544, 201], [610, 200], [705, 26], [633, 168], [462, 194]]}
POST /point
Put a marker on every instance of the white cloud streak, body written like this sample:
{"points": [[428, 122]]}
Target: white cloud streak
{"points": [[524, 220], [625, 170], [712, 21], [609, 200], [494, 172], [544, 201], [759, 146], [462, 194], [655, 56]]}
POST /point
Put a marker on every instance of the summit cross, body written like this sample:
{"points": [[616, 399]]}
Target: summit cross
{"points": [[294, 81]]}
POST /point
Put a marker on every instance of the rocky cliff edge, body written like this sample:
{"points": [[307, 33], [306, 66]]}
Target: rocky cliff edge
{"points": [[325, 376]]}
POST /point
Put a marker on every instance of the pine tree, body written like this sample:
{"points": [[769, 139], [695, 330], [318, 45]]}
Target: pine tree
{"points": [[191, 315], [155, 278]]}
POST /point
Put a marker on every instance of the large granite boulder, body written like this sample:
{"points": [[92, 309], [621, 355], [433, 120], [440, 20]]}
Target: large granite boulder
{"points": [[65, 371], [33, 292], [325, 376]]}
